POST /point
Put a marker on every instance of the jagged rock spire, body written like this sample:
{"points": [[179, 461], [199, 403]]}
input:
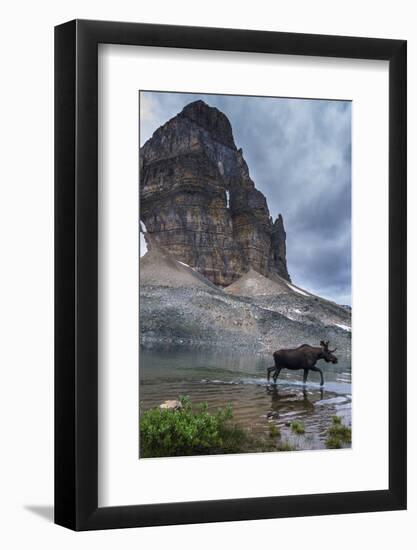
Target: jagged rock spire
{"points": [[279, 248]]}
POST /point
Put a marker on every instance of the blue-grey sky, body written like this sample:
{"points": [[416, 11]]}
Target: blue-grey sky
{"points": [[299, 155]]}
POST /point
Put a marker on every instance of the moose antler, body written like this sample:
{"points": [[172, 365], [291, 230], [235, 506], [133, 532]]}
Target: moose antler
{"points": [[325, 345]]}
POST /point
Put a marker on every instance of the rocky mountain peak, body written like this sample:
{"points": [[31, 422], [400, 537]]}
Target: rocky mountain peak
{"points": [[212, 120], [198, 201]]}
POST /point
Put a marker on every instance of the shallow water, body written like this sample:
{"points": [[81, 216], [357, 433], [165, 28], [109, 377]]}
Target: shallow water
{"points": [[221, 378]]}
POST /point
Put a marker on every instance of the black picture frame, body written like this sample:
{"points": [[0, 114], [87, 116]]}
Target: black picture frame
{"points": [[76, 272]]}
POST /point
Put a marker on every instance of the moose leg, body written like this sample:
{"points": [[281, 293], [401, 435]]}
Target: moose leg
{"points": [[305, 376], [269, 370], [276, 374], [316, 369]]}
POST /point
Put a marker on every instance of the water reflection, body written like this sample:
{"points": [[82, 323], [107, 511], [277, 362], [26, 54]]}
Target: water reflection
{"points": [[284, 399]]}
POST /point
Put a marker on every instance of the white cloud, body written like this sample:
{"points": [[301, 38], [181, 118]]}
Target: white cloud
{"points": [[148, 108]]}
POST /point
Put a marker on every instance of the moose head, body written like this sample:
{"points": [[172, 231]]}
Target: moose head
{"points": [[327, 353]]}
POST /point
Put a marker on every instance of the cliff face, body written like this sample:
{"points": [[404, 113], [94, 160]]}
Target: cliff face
{"points": [[198, 201]]}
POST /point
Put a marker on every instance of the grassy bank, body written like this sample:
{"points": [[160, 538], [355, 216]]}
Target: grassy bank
{"points": [[190, 431]]}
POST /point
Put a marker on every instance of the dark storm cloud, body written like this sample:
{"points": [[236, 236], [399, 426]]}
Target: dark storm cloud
{"points": [[299, 155]]}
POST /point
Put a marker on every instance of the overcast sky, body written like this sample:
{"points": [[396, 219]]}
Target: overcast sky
{"points": [[299, 155]]}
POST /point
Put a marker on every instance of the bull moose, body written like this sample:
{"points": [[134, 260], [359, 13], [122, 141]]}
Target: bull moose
{"points": [[304, 357]]}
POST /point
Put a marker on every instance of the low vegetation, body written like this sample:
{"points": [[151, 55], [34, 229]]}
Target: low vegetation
{"points": [[187, 431], [297, 427], [286, 447], [274, 431], [338, 434], [190, 431]]}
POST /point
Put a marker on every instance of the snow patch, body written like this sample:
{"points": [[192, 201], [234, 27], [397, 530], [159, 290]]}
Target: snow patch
{"points": [[143, 227], [344, 327], [297, 290], [186, 265], [227, 199], [143, 247]]}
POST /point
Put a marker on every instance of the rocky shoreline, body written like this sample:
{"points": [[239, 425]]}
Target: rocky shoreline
{"points": [[198, 317]]}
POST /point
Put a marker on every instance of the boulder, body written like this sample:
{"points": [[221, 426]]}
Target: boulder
{"points": [[171, 404]]}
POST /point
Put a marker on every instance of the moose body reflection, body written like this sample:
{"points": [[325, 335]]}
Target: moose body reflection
{"points": [[296, 401], [304, 357]]}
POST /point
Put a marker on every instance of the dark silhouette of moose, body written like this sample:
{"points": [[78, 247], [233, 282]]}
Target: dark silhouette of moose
{"points": [[304, 357]]}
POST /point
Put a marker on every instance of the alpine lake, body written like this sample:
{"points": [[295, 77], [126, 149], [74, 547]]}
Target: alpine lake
{"points": [[221, 378]]}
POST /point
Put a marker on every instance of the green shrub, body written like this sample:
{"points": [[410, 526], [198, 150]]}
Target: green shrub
{"points": [[338, 433], [297, 427], [274, 431], [183, 432], [344, 433], [333, 442]]}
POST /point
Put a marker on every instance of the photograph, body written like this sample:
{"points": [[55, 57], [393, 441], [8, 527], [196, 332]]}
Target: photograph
{"points": [[208, 239], [245, 274]]}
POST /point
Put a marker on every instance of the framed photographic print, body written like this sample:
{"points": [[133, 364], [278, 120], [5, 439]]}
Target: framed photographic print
{"points": [[230, 338]]}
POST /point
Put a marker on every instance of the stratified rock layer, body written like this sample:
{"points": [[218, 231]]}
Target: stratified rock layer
{"points": [[199, 203]]}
